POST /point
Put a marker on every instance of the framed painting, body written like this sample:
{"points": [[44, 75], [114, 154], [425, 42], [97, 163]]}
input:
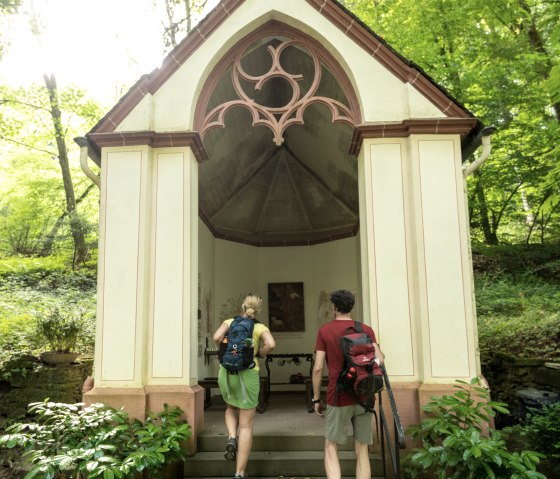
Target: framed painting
{"points": [[285, 307]]}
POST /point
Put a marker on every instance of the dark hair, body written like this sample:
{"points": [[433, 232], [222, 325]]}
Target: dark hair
{"points": [[343, 300]]}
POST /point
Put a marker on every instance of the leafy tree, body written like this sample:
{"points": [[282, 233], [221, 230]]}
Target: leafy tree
{"points": [[179, 19], [500, 59], [7, 7], [36, 125]]}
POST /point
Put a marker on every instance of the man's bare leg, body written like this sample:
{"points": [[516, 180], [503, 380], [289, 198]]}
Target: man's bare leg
{"points": [[332, 464], [363, 467]]}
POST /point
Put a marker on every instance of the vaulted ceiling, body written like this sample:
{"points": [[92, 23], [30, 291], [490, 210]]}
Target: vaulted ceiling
{"points": [[301, 191]]}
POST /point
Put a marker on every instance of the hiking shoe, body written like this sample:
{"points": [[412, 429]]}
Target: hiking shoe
{"points": [[239, 476], [231, 450]]}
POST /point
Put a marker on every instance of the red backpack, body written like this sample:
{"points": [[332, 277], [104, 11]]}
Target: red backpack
{"points": [[361, 376]]}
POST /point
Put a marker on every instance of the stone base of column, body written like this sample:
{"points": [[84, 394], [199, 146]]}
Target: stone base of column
{"points": [[427, 391], [189, 398], [133, 400]]}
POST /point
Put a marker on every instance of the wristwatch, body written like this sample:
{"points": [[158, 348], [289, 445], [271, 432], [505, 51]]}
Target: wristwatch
{"points": [[316, 401]]}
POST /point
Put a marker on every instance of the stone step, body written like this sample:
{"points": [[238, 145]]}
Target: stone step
{"points": [[216, 443], [288, 464]]}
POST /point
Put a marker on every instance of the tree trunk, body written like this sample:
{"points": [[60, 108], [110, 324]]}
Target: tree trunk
{"points": [[489, 234], [538, 45], [80, 247], [48, 242]]}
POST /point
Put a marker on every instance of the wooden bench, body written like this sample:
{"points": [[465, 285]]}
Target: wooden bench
{"points": [[209, 383], [309, 392]]}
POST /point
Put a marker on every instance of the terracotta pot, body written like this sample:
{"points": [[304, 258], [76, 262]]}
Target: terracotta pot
{"points": [[53, 357]]}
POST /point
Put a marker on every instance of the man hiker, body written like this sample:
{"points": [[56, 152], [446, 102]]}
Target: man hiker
{"points": [[342, 407]]}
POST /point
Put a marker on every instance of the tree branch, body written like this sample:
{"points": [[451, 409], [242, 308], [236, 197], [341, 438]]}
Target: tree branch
{"points": [[28, 146], [498, 219], [24, 103]]}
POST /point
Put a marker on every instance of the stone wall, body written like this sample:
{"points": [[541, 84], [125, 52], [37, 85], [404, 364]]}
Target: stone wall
{"points": [[507, 375], [27, 380]]}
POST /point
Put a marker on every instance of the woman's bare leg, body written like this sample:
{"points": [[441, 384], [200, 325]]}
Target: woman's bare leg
{"points": [[232, 420], [245, 442]]}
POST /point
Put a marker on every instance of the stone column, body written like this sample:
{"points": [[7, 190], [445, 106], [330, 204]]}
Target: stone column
{"points": [[387, 272], [172, 326], [122, 309], [416, 270], [146, 346], [445, 288]]}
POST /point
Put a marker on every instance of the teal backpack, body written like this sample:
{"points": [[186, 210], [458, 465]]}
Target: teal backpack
{"points": [[237, 351]]}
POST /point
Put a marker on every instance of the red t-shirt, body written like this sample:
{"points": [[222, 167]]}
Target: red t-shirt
{"points": [[328, 340]]}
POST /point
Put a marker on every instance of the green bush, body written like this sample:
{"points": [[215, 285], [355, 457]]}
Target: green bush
{"points": [[542, 261], [30, 288], [70, 440], [518, 316], [529, 336], [541, 432], [61, 328], [454, 445]]}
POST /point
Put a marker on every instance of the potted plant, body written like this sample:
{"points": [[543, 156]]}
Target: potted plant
{"points": [[61, 329]]}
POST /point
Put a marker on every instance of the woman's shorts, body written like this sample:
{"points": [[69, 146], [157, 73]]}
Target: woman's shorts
{"points": [[337, 418], [240, 390]]}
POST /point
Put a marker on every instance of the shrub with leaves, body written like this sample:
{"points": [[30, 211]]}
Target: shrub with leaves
{"points": [[73, 441], [541, 432], [61, 328], [518, 315], [456, 446]]}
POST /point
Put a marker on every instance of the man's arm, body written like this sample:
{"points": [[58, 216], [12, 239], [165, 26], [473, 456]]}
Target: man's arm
{"points": [[317, 379], [379, 354]]}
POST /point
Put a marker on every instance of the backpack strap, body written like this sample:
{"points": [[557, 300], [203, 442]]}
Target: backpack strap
{"points": [[357, 327], [370, 387]]}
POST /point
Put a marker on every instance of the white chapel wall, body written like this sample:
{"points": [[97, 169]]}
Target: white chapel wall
{"points": [[240, 269], [383, 97]]}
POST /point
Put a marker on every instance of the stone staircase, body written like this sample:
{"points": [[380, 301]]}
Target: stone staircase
{"points": [[288, 442], [273, 456]]}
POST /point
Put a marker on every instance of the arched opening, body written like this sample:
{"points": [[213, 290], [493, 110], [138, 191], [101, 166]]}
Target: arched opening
{"points": [[279, 192], [277, 116]]}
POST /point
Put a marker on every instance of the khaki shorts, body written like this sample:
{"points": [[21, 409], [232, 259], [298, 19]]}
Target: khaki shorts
{"points": [[337, 418]]}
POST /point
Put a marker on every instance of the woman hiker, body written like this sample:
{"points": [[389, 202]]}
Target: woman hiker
{"points": [[240, 389]]}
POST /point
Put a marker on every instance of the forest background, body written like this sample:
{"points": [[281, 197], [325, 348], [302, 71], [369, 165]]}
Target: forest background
{"points": [[64, 63], [499, 58]]}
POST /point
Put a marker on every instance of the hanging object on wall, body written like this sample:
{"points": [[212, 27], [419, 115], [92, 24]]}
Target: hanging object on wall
{"points": [[324, 309], [285, 307]]}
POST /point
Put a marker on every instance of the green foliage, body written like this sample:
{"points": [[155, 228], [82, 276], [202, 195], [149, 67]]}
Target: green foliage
{"points": [[541, 432], [30, 288], [454, 445], [500, 59], [518, 300], [518, 315], [61, 328], [68, 440], [33, 203], [7, 8]]}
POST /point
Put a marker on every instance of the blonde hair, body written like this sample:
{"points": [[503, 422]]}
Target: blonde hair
{"points": [[251, 305]]}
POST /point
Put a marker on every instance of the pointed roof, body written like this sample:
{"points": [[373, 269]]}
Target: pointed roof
{"points": [[336, 13], [297, 190]]}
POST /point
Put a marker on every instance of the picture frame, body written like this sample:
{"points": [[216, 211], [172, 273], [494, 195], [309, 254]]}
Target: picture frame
{"points": [[286, 307]]}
